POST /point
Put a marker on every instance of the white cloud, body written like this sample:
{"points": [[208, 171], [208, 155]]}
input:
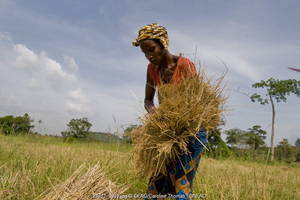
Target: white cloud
{"points": [[77, 95], [75, 107], [71, 64], [42, 87], [35, 83], [77, 101], [27, 59], [55, 68]]}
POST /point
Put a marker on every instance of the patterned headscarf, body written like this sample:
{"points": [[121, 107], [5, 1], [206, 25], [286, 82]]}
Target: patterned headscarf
{"points": [[153, 31]]}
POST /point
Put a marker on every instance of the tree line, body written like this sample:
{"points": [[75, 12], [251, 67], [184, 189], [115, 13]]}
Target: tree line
{"points": [[250, 144], [239, 143]]}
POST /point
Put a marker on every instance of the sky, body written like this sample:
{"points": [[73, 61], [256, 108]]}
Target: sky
{"points": [[65, 59]]}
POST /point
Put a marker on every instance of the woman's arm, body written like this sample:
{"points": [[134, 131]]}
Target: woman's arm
{"points": [[149, 94]]}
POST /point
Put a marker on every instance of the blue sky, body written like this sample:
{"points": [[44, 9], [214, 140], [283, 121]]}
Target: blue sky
{"points": [[67, 59]]}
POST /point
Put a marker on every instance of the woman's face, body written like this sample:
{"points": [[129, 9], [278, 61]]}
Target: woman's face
{"points": [[152, 50]]}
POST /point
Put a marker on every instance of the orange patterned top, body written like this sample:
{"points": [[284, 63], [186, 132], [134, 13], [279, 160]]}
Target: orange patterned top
{"points": [[184, 68]]}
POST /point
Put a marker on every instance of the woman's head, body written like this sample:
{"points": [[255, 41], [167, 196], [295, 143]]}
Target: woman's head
{"points": [[153, 50], [153, 41]]}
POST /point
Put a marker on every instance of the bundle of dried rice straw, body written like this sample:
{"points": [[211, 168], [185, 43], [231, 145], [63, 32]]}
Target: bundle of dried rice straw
{"points": [[92, 184], [194, 103]]}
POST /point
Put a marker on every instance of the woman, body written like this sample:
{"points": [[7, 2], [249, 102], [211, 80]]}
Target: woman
{"points": [[165, 67]]}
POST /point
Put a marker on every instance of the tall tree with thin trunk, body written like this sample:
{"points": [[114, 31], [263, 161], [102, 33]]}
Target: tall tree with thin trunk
{"points": [[276, 91]]}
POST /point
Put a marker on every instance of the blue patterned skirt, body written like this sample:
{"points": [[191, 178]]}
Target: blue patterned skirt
{"points": [[179, 181]]}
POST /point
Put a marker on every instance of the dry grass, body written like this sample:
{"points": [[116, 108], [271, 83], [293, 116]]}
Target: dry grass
{"points": [[29, 166], [86, 185], [184, 108], [228, 179]]}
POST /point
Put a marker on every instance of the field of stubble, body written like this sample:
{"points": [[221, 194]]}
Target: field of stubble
{"points": [[31, 165]]}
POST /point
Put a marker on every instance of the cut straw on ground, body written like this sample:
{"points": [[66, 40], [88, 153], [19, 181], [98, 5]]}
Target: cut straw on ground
{"points": [[91, 183]]}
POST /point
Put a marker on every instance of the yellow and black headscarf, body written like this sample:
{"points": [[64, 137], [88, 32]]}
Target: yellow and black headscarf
{"points": [[153, 31]]}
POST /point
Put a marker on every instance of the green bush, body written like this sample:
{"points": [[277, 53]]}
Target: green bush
{"points": [[217, 147], [77, 128], [10, 125]]}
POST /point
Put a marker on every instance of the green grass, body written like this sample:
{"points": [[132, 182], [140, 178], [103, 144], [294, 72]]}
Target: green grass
{"points": [[30, 165]]}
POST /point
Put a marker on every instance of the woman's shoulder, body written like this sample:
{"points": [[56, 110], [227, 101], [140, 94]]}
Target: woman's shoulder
{"points": [[185, 63], [184, 60]]}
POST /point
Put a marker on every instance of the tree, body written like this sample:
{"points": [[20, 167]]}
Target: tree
{"points": [[130, 128], [16, 125], [276, 90], [235, 137], [23, 124], [7, 124], [298, 157], [127, 131], [255, 136], [77, 128], [217, 147], [285, 151], [297, 143]]}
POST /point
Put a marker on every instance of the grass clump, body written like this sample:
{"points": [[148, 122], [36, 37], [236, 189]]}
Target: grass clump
{"points": [[86, 185]]}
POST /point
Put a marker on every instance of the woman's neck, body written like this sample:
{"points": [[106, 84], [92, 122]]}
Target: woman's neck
{"points": [[168, 60]]}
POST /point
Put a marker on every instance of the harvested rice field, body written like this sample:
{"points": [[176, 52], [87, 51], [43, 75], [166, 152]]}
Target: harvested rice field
{"points": [[33, 167]]}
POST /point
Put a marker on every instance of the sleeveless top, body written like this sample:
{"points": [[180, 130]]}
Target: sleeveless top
{"points": [[184, 68]]}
